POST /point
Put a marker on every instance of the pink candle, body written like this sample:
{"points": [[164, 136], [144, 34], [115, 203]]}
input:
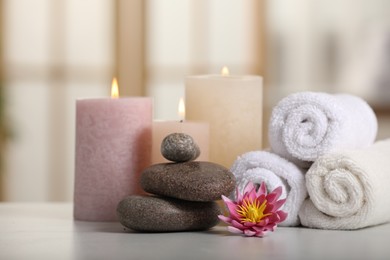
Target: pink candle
{"points": [[113, 146]]}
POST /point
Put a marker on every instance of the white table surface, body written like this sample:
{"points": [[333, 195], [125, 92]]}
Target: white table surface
{"points": [[48, 231]]}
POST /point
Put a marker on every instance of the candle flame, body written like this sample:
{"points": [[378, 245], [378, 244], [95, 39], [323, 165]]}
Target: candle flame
{"points": [[225, 71], [114, 88], [181, 109]]}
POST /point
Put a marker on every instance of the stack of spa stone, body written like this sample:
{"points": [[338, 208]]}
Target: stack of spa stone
{"points": [[183, 192]]}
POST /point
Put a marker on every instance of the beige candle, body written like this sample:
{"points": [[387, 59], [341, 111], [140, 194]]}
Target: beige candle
{"points": [[199, 131], [232, 105]]}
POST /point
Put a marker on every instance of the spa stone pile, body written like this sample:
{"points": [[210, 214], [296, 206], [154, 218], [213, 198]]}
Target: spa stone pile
{"points": [[183, 191]]}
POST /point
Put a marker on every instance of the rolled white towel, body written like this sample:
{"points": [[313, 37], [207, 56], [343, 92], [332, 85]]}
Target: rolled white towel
{"points": [[305, 125], [349, 189], [262, 166]]}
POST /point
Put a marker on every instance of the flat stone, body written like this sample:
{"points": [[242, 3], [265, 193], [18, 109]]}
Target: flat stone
{"points": [[179, 147], [158, 214], [194, 181]]}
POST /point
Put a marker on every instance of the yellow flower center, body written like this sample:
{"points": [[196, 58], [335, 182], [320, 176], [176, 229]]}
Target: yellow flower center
{"points": [[252, 211]]}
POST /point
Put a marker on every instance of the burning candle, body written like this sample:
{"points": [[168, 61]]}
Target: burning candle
{"points": [[233, 107], [199, 131], [113, 146]]}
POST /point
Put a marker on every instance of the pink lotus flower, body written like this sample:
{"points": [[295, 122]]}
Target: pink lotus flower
{"points": [[254, 213]]}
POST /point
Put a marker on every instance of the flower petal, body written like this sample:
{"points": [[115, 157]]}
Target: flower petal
{"points": [[274, 218], [269, 209], [270, 227], [260, 231], [234, 230], [264, 222], [260, 234], [252, 195], [238, 196], [261, 198], [278, 204], [271, 198], [249, 224], [258, 228], [237, 224], [226, 199], [225, 219], [249, 232], [250, 192], [232, 207], [249, 187], [275, 194], [282, 215], [262, 189]]}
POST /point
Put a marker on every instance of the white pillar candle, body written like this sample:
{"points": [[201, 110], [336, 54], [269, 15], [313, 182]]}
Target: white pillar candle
{"points": [[113, 146], [232, 105]]}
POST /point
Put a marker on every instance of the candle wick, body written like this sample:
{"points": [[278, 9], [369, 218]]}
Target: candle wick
{"points": [[181, 121]]}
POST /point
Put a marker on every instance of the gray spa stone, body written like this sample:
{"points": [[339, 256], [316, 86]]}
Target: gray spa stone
{"points": [[179, 147], [193, 181], [157, 214]]}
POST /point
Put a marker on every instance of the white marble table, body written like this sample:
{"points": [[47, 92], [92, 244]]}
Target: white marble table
{"points": [[48, 231]]}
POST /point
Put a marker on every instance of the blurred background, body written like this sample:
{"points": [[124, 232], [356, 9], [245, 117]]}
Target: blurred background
{"points": [[53, 52]]}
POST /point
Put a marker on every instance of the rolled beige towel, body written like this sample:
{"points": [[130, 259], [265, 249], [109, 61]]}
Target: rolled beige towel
{"points": [[349, 189]]}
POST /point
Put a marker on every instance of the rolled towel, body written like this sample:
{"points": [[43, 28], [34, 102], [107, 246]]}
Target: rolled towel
{"points": [[305, 125], [349, 189], [262, 166]]}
